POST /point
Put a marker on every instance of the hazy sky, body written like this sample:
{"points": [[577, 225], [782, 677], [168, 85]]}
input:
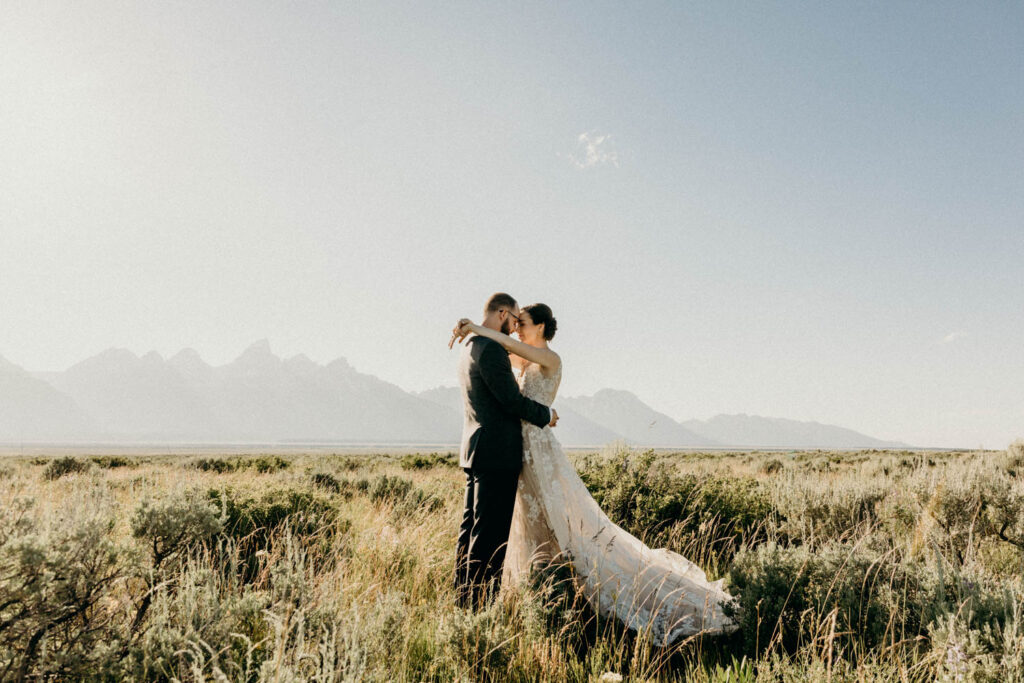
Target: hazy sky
{"points": [[802, 210]]}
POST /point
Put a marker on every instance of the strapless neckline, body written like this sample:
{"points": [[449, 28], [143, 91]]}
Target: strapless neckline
{"points": [[536, 386]]}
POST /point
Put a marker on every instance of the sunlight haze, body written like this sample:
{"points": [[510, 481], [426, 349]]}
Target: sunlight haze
{"points": [[797, 211]]}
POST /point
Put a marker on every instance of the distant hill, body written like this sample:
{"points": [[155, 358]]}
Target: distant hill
{"points": [[33, 410], [144, 398], [262, 398], [257, 397], [616, 415], [625, 414], [777, 432]]}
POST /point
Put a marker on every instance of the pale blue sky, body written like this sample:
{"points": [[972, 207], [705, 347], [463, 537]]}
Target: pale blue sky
{"points": [[803, 210]]}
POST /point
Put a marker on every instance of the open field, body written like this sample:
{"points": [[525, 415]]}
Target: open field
{"points": [[307, 565]]}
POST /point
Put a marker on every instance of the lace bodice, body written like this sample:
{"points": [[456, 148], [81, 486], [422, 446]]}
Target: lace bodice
{"points": [[535, 385]]}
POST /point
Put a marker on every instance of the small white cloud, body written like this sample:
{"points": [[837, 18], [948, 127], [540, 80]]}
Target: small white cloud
{"points": [[952, 337], [593, 149]]}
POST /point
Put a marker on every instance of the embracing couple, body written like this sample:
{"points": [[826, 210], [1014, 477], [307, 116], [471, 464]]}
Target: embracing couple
{"points": [[525, 504]]}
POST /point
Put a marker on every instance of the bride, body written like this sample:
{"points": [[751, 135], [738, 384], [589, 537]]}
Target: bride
{"points": [[556, 517]]}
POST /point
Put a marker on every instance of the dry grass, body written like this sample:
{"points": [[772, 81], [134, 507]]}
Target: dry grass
{"points": [[872, 565]]}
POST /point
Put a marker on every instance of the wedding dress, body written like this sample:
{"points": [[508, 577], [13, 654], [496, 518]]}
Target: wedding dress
{"points": [[555, 517]]}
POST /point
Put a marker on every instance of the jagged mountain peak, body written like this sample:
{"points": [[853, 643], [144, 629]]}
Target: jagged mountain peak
{"points": [[188, 356], [616, 394], [262, 397], [302, 363], [340, 364], [191, 367], [257, 353], [259, 347], [114, 357]]}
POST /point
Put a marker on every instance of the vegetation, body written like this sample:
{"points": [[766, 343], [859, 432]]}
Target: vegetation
{"points": [[847, 566], [60, 467], [416, 461], [261, 464]]}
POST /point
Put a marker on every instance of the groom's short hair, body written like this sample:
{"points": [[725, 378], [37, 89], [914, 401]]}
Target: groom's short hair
{"points": [[499, 301]]}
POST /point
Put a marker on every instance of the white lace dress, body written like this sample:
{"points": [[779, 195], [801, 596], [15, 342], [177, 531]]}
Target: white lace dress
{"points": [[555, 517]]}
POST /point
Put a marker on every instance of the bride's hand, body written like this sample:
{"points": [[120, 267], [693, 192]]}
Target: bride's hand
{"points": [[461, 331], [554, 418]]}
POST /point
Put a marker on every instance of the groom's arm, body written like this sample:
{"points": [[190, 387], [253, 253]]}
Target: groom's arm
{"points": [[496, 371]]}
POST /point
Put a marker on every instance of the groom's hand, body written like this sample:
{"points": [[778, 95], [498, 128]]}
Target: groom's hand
{"points": [[554, 418]]}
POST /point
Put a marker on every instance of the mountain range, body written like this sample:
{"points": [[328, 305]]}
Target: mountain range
{"points": [[117, 396]]}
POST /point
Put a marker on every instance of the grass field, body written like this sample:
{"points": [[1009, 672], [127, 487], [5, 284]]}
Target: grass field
{"points": [[859, 566]]}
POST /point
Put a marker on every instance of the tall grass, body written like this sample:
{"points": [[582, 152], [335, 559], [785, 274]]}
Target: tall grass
{"points": [[868, 565]]}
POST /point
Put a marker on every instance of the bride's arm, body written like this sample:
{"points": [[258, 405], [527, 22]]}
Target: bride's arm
{"points": [[546, 358]]}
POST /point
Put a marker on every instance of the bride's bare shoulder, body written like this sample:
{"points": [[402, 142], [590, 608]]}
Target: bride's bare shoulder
{"points": [[556, 366]]}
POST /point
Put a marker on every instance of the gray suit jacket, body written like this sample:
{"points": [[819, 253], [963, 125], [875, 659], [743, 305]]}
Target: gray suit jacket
{"points": [[492, 436]]}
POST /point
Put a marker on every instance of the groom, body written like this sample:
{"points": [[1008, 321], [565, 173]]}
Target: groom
{"points": [[491, 454]]}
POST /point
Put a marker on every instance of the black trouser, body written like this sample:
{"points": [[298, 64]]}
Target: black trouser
{"points": [[483, 536]]}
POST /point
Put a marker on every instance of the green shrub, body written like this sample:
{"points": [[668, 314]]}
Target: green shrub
{"points": [[217, 465], [425, 462], [110, 462], [305, 513], [982, 505], [264, 464], [327, 481], [252, 523], [812, 514], [662, 508], [772, 466], [66, 465], [268, 464], [58, 594], [347, 463], [169, 529], [787, 596], [390, 489], [174, 524], [403, 495], [203, 626], [985, 644], [344, 488], [552, 605], [480, 644]]}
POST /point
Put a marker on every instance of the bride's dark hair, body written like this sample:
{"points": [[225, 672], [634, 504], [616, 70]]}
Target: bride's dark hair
{"points": [[541, 314]]}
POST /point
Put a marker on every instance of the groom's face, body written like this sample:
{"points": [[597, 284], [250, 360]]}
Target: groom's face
{"points": [[508, 325]]}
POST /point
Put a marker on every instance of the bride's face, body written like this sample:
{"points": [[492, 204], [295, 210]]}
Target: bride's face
{"points": [[528, 332]]}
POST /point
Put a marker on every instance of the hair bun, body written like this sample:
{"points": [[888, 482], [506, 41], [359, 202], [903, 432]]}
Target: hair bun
{"points": [[541, 314]]}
